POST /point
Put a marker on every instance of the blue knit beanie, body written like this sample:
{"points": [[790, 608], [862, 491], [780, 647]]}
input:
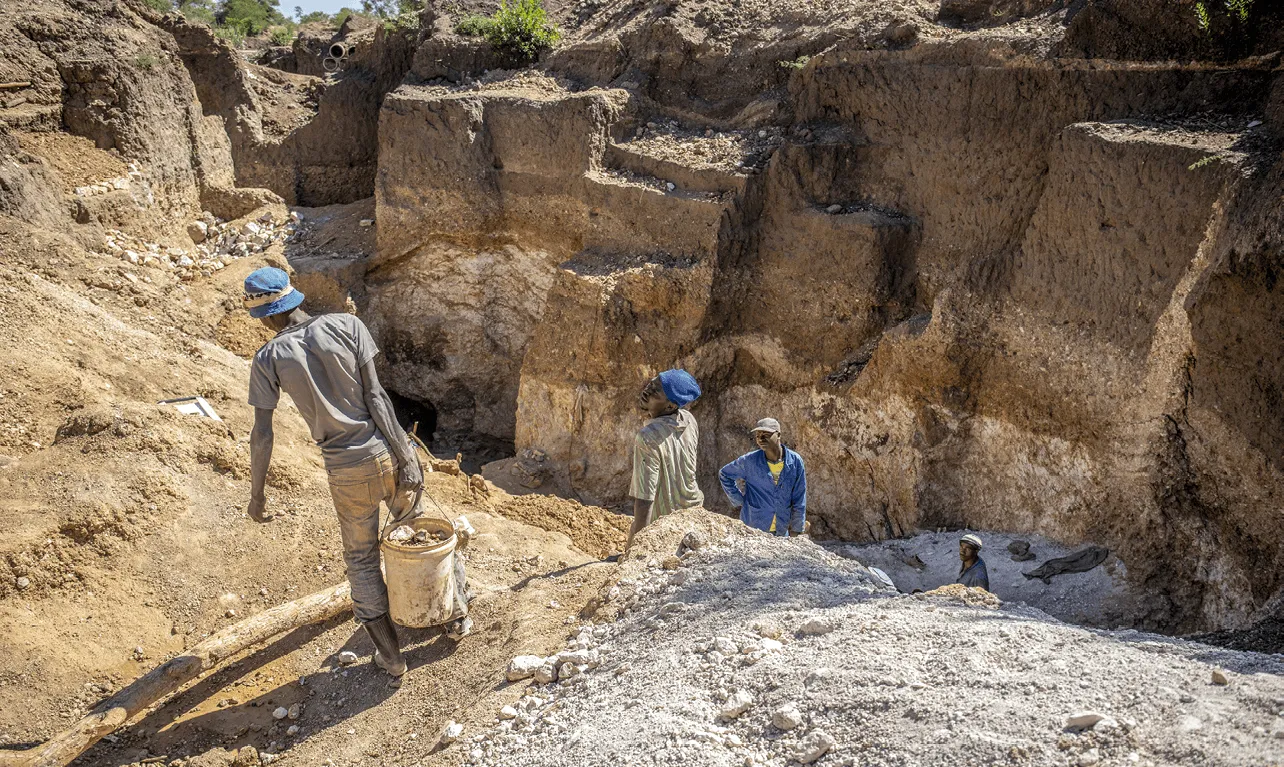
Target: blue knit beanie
{"points": [[680, 387]]}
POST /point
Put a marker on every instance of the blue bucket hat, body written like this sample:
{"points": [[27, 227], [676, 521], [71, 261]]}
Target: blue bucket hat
{"points": [[268, 291], [680, 387]]}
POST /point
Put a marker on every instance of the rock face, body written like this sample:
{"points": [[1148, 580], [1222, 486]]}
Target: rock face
{"points": [[965, 312]]}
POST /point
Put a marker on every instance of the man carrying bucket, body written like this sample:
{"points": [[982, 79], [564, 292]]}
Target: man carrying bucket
{"points": [[326, 365]]}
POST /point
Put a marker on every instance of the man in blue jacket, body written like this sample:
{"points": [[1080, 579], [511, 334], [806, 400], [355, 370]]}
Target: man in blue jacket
{"points": [[769, 485]]}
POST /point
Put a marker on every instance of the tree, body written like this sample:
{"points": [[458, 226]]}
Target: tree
{"points": [[313, 17], [197, 10], [388, 9], [250, 17]]}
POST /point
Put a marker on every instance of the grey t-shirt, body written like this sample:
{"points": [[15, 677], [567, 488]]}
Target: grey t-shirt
{"points": [[318, 364]]}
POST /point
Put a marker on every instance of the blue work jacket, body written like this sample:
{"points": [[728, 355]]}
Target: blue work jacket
{"points": [[977, 575], [762, 500]]}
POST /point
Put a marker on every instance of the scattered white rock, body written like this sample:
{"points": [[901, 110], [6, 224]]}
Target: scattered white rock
{"points": [[1090, 757], [293, 730], [739, 702], [508, 712], [280, 712], [197, 230], [546, 673], [523, 667], [815, 627], [1219, 677], [725, 646], [23, 582], [1083, 720], [347, 658], [453, 731], [835, 208], [787, 716], [815, 745], [402, 533], [294, 711], [366, 222]]}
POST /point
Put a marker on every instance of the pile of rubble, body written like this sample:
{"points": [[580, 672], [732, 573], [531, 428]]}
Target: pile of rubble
{"points": [[216, 244], [767, 651], [121, 183]]}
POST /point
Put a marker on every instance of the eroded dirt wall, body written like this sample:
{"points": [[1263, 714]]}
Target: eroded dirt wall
{"points": [[325, 156], [962, 278]]}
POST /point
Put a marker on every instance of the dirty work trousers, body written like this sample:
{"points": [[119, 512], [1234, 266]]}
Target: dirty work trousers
{"points": [[357, 492]]}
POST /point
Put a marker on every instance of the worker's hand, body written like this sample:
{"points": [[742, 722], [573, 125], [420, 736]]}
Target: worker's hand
{"points": [[258, 509], [410, 478]]}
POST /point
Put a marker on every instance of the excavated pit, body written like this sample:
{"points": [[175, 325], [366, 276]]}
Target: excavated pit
{"points": [[1004, 266], [984, 281], [967, 283]]}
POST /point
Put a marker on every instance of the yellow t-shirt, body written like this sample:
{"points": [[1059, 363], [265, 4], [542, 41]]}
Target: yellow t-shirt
{"points": [[775, 467]]}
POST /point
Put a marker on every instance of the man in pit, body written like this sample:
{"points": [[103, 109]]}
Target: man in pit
{"points": [[326, 365], [664, 450], [972, 571], [769, 485]]}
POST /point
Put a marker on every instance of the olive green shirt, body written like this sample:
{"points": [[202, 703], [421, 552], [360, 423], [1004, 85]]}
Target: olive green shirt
{"points": [[664, 464]]}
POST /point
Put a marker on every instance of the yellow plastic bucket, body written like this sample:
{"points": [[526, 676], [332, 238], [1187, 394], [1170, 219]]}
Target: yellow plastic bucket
{"points": [[421, 579]]}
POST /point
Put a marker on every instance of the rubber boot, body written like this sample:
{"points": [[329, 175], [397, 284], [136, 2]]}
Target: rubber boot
{"points": [[387, 651]]}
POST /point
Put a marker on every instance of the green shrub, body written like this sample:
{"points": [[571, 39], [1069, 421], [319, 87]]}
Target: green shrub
{"points": [[520, 28], [1235, 11], [252, 17], [162, 6], [197, 10], [145, 61], [473, 25], [797, 63], [282, 35], [233, 35], [1235, 26], [342, 16]]}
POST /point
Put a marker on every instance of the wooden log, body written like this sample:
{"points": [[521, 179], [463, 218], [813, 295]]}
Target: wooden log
{"points": [[11, 86], [168, 677]]}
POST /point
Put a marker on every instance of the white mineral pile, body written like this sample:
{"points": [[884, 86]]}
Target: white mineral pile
{"points": [[216, 244], [762, 651]]}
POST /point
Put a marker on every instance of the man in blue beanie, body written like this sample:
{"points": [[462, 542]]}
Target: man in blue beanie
{"points": [[664, 451], [326, 365]]}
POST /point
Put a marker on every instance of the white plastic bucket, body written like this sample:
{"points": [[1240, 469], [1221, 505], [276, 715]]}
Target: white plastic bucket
{"points": [[421, 579]]}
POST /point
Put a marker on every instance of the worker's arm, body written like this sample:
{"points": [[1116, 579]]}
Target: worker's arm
{"points": [[260, 458], [409, 475], [645, 484], [798, 502], [729, 475]]}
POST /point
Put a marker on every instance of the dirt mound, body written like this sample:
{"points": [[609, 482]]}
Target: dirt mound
{"points": [[764, 651], [970, 596], [595, 531]]}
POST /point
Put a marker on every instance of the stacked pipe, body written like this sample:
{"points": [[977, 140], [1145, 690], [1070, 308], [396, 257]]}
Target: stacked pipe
{"points": [[338, 56]]}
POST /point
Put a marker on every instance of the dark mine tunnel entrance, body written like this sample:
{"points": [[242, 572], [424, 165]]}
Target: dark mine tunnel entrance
{"points": [[417, 416], [420, 417]]}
